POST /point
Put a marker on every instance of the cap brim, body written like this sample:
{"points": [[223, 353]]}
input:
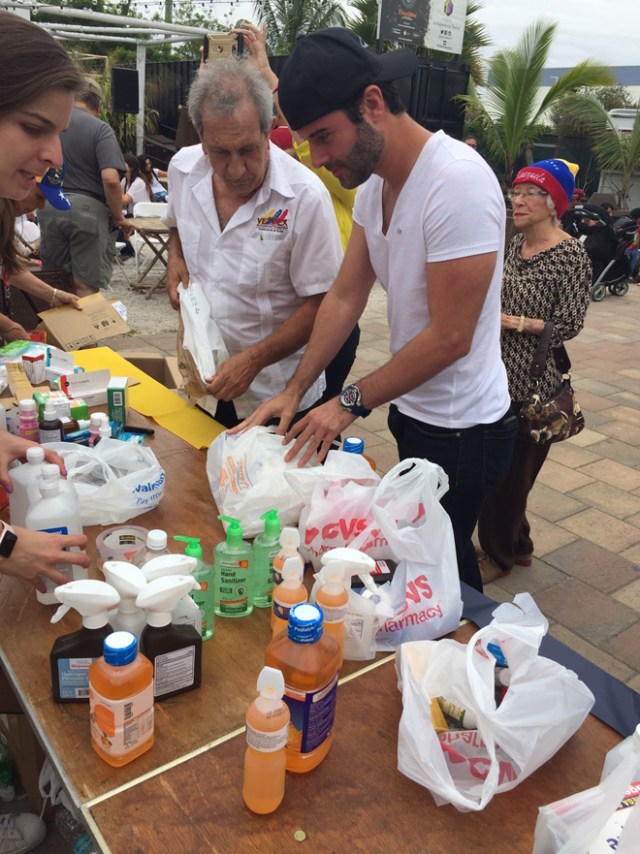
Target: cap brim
{"points": [[396, 64], [56, 198]]}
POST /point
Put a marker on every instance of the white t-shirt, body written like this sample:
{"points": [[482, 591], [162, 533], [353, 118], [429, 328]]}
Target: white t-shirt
{"points": [[138, 192], [279, 247], [450, 207]]}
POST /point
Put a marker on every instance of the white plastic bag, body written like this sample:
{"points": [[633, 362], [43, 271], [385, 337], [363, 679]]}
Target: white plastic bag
{"points": [[246, 473], [599, 820], [544, 706], [337, 501], [200, 346], [115, 481], [425, 589]]}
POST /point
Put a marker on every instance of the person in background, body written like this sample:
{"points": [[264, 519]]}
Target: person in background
{"points": [[472, 142], [568, 221], [136, 184], [633, 251], [36, 96], [82, 240], [428, 223], [547, 276], [158, 192]]}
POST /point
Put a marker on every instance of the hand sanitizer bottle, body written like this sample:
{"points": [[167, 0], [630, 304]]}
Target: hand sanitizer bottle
{"points": [[72, 654], [232, 569], [265, 548], [203, 574], [267, 734]]}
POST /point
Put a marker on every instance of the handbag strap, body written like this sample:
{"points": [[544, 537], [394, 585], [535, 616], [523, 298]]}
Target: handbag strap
{"points": [[539, 361]]}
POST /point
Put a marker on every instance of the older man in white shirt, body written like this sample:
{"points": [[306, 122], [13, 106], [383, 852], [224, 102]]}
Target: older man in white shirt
{"points": [[256, 230]]}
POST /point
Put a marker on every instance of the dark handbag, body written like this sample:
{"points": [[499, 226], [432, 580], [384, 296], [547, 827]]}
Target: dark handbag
{"points": [[558, 418]]}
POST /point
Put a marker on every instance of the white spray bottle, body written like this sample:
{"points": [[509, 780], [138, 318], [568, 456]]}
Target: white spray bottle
{"points": [[128, 580], [186, 612], [56, 512], [72, 654], [175, 651]]}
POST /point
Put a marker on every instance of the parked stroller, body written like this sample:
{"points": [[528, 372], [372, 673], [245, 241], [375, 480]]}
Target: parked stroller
{"points": [[605, 243]]}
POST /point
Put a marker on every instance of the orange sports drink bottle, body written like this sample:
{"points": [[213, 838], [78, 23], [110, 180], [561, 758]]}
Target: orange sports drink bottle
{"points": [[267, 734], [333, 598], [291, 592], [309, 662], [121, 701]]}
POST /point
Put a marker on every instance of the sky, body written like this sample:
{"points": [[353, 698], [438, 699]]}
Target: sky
{"points": [[603, 30]]}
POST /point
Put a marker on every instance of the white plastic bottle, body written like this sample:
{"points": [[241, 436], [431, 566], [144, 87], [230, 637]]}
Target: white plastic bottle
{"points": [[128, 580], [24, 480], [186, 612], [56, 512], [621, 751], [155, 545]]}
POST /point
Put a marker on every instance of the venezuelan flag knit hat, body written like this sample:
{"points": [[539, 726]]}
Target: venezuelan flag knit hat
{"points": [[552, 176]]}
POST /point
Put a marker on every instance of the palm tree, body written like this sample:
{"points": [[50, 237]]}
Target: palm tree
{"points": [[614, 151], [508, 113], [288, 19]]}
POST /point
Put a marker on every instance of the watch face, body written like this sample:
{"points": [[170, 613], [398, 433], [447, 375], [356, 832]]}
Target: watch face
{"points": [[350, 396], [8, 542]]}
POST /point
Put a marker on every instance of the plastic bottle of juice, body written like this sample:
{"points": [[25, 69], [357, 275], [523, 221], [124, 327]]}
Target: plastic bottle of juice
{"points": [[291, 592], [121, 701], [232, 572], [203, 574], [289, 545], [265, 548], [308, 660], [267, 734], [333, 597]]}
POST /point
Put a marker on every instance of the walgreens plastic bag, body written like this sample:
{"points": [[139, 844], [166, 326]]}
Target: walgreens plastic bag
{"points": [[425, 590], [337, 501], [246, 473], [115, 481], [200, 346], [543, 707]]}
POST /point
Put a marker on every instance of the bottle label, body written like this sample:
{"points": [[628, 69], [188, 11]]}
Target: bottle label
{"points": [[233, 586], [265, 581], [204, 600], [333, 615], [267, 742], [609, 837], [73, 678], [312, 715], [46, 436], [119, 726], [281, 610], [174, 670]]}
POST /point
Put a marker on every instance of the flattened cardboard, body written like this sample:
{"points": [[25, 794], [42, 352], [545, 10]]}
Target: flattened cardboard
{"points": [[70, 329]]}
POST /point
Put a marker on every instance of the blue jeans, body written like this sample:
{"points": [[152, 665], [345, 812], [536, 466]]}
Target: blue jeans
{"points": [[475, 459]]}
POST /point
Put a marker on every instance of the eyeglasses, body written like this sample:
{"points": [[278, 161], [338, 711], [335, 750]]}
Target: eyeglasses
{"points": [[525, 194]]}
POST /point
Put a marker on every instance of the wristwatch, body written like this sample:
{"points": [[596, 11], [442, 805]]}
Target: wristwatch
{"points": [[8, 539], [351, 400]]}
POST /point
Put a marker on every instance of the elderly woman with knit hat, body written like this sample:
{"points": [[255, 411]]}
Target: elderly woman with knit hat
{"points": [[547, 276]]}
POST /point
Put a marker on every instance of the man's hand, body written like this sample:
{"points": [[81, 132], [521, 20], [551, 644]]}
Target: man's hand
{"points": [[283, 406], [15, 448], [233, 377], [255, 44], [36, 553], [316, 430]]}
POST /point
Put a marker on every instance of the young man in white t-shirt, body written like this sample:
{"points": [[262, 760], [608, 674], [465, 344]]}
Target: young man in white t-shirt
{"points": [[429, 224]]}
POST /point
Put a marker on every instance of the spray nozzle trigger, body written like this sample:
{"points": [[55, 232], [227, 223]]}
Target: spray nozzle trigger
{"points": [[59, 614]]}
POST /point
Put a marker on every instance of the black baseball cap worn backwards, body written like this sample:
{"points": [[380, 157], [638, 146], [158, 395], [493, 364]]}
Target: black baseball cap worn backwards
{"points": [[328, 69]]}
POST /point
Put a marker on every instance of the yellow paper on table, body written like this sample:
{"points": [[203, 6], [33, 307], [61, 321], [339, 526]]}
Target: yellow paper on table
{"points": [[154, 400]]}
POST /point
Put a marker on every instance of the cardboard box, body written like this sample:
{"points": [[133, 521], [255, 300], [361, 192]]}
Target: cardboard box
{"points": [[70, 329], [163, 369], [117, 403], [90, 386]]}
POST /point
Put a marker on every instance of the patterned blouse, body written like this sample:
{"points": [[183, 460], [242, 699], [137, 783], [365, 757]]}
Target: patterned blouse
{"points": [[552, 285]]}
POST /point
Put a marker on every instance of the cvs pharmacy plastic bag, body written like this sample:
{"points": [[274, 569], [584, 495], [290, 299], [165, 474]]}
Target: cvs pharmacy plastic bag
{"points": [[544, 705], [200, 347], [425, 590], [599, 820], [337, 501], [115, 481], [246, 473]]}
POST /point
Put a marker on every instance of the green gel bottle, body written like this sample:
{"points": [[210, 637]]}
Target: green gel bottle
{"points": [[203, 574], [232, 573], [265, 547]]}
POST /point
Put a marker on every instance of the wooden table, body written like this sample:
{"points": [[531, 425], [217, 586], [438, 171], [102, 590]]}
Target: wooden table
{"points": [[155, 235], [184, 795]]}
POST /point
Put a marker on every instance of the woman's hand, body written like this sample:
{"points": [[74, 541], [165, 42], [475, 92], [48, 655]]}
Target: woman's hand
{"points": [[12, 331], [36, 553], [15, 448], [59, 298]]}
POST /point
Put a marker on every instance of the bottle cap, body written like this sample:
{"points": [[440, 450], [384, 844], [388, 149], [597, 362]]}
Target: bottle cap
{"points": [[353, 445], [35, 455], [27, 405], [290, 539], [156, 539], [120, 648], [104, 431], [49, 411], [96, 419], [234, 531], [292, 572], [271, 683], [193, 547], [271, 524], [50, 471], [127, 579], [305, 623]]}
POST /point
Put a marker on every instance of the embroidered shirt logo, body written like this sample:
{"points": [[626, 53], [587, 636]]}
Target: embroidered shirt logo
{"points": [[275, 221]]}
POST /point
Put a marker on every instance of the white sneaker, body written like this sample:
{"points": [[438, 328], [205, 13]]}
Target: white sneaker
{"points": [[20, 832]]}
